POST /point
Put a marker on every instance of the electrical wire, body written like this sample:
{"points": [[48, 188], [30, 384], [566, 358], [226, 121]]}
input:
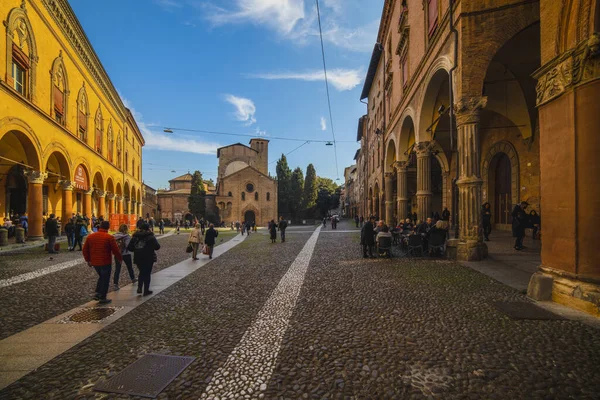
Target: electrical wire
{"points": [[337, 172], [253, 136], [287, 154]]}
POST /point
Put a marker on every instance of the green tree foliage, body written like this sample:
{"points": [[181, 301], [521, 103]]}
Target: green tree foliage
{"points": [[284, 189], [310, 187], [196, 200], [297, 192], [328, 197]]}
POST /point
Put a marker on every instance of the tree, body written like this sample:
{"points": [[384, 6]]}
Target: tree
{"points": [[284, 190], [326, 183], [310, 187], [210, 182], [297, 189], [196, 200]]}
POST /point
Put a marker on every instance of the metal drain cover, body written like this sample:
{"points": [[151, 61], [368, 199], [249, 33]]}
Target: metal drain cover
{"points": [[525, 310], [146, 377], [93, 314]]}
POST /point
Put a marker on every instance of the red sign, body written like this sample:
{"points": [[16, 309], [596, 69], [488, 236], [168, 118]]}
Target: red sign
{"points": [[115, 222], [81, 178]]}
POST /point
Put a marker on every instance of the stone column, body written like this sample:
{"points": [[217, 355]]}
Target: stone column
{"points": [[471, 246], [34, 203], [101, 203], [67, 198], [389, 197], [87, 203], [119, 204], [423, 150], [369, 208], [111, 204], [402, 181]]}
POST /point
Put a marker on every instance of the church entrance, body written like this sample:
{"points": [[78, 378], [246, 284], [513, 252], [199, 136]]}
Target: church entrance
{"points": [[502, 190], [16, 191], [249, 216]]}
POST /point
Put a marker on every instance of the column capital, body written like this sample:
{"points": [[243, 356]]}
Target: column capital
{"points": [[467, 109], [401, 165], [110, 196], [388, 175], [423, 149], [118, 198], [36, 176], [100, 193], [66, 185], [89, 191]]}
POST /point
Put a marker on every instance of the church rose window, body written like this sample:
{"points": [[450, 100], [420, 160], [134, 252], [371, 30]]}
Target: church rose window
{"points": [[249, 188]]}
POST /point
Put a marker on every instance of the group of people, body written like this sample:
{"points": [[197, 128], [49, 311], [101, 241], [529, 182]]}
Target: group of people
{"points": [[16, 221], [198, 237], [520, 222], [100, 248], [244, 226], [334, 221], [274, 226]]}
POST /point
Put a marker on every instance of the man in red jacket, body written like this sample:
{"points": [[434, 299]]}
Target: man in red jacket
{"points": [[97, 251]]}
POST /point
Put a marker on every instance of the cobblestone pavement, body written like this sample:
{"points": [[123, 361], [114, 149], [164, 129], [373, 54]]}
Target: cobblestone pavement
{"points": [[32, 302], [371, 329]]}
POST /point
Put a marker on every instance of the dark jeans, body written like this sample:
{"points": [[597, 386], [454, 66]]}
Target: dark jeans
{"points": [[487, 229], [128, 263], [70, 240], [282, 235], [519, 241], [369, 248], [103, 280], [78, 241], [51, 243], [144, 276]]}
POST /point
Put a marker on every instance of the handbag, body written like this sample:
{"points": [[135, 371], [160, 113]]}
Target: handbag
{"points": [[189, 248], [205, 249]]}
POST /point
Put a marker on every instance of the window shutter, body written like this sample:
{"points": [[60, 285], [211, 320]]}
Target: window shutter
{"points": [[82, 121], [432, 11], [405, 70], [58, 99], [19, 56]]}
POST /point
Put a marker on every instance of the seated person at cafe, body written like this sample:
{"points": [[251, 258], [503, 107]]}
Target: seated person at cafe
{"points": [[407, 226], [381, 238]]}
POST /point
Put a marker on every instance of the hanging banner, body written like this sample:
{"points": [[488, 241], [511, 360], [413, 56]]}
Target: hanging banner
{"points": [[81, 178], [115, 222]]}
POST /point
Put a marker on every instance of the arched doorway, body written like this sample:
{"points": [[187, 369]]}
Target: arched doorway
{"points": [[501, 183], [16, 191], [249, 216]]}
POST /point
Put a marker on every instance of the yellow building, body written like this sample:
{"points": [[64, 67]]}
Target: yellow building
{"points": [[67, 142]]}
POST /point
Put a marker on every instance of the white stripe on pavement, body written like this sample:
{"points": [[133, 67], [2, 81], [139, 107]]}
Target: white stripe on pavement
{"points": [[48, 270], [250, 365]]}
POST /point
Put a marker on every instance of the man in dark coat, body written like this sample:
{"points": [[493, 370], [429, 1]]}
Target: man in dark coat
{"points": [[211, 235], [519, 223], [445, 214], [282, 227], [143, 244], [486, 220], [368, 237], [52, 233]]}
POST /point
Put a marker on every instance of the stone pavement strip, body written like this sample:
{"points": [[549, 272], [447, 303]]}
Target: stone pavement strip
{"points": [[30, 349], [250, 365]]}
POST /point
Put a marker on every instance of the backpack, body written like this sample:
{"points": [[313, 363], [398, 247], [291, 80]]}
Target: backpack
{"points": [[121, 244]]}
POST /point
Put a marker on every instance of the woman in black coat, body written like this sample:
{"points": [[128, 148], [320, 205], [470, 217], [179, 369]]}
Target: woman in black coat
{"points": [[486, 220], [273, 231], [519, 223], [534, 222], [143, 244], [210, 238]]}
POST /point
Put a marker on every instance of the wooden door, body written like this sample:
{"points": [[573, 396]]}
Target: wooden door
{"points": [[503, 193]]}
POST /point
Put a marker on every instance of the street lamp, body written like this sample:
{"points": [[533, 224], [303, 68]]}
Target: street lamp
{"points": [[168, 130]]}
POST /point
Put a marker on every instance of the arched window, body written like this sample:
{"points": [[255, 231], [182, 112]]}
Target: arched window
{"points": [[21, 53], [256, 196], [119, 151], [243, 195], [268, 196], [110, 142], [60, 91], [230, 194], [83, 112], [99, 126]]}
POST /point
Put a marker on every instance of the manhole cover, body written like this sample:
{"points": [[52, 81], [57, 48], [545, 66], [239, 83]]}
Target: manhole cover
{"points": [[524, 310], [146, 377], [94, 314]]}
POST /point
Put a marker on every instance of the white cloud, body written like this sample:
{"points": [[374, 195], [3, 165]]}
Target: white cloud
{"points": [[341, 79], [323, 124], [260, 132], [335, 5], [245, 109], [360, 39], [170, 142], [169, 5]]}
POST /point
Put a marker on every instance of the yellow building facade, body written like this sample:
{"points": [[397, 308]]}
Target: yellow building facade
{"points": [[67, 142]]}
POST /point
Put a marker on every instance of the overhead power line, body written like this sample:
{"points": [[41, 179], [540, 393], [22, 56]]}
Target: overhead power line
{"points": [[337, 172], [287, 154], [171, 130]]}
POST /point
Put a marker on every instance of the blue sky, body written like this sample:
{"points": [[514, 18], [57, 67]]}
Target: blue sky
{"points": [[239, 66]]}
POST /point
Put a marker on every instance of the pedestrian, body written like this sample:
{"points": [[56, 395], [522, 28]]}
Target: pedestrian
{"points": [[177, 225], [202, 226], [70, 232], [248, 227], [324, 222], [97, 252], [24, 222], [445, 214], [367, 237], [535, 223], [80, 233], [152, 223], [486, 220], [519, 223], [273, 231], [161, 227], [195, 240], [356, 220], [123, 238], [282, 227], [143, 244], [139, 223], [209, 239], [52, 233], [362, 221]]}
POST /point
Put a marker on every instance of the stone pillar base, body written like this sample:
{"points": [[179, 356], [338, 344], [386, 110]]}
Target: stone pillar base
{"points": [[565, 290], [471, 250]]}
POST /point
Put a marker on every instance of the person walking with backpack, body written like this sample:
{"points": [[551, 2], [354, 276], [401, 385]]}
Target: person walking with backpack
{"points": [[123, 238], [195, 240], [209, 239], [143, 244], [97, 252], [52, 233], [282, 227]]}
